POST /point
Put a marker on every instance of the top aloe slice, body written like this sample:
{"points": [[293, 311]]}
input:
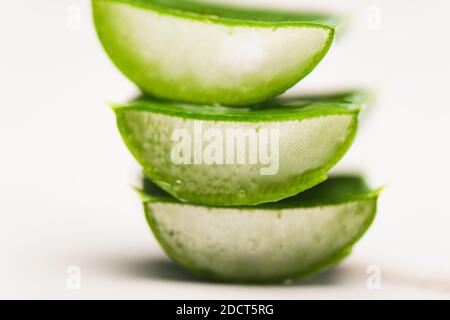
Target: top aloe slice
{"points": [[185, 51], [287, 145]]}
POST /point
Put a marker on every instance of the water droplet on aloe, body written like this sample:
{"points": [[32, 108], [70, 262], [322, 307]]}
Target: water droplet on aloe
{"points": [[178, 184], [242, 193], [252, 244]]}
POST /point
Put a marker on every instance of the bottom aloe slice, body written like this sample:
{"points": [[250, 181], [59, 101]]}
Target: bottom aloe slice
{"points": [[225, 156], [294, 238]]}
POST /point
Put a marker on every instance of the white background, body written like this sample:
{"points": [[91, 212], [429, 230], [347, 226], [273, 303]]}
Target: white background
{"points": [[65, 173]]}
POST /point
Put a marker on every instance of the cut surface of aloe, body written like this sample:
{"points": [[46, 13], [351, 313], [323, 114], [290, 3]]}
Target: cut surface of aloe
{"points": [[183, 51], [286, 146], [293, 238]]}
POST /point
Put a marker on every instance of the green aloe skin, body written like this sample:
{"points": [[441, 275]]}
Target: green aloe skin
{"points": [[294, 238], [314, 133], [183, 51]]}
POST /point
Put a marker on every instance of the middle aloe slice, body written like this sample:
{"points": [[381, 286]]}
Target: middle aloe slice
{"points": [[224, 156]]}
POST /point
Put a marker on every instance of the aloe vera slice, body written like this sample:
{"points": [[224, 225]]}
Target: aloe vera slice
{"points": [[313, 134], [294, 238], [179, 50]]}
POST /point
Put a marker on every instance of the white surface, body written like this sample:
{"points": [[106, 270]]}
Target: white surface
{"points": [[65, 173]]}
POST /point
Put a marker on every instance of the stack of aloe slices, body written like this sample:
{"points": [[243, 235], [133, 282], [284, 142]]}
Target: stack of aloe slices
{"points": [[236, 185]]}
